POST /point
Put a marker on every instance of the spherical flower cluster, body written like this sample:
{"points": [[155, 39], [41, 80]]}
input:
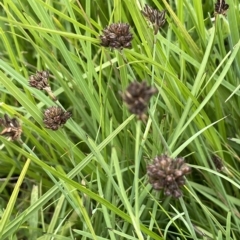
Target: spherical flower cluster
{"points": [[137, 96], [117, 35], [218, 163], [168, 174], [40, 80], [156, 17], [12, 129], [54, 117], [221, 7]]}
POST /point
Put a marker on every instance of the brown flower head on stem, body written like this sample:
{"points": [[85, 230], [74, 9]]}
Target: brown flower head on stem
{"points": [[12, 128], [137, 96], [54, 117], [40, 81], [217, 163], [156, 17], [221, 7], [168, 174], [117, 35]]}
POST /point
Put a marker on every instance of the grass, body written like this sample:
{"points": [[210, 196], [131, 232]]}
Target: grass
{"points": [[88, 179]]}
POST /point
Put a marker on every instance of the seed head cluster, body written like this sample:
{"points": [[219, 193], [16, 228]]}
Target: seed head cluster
{"points": [[156, 17], [40, 80], [117, 35], [217, 163], [221, 7], [12, 129], [54, 117], [168, 174], [137, 96]]}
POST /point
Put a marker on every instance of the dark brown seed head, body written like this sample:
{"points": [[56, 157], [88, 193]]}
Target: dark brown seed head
{"points": [[221, 7], [117, 35], [218, 163], [39, 80], [156, 17], [12, 129], [137, 96], [54, 117], [168, 174]]}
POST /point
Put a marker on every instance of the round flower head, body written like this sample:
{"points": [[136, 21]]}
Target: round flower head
{"points": [[137, 96], [168, 174], [12, 129], [117, 35], [40, 81], [221, 7], [156, 17], [54, 117]]}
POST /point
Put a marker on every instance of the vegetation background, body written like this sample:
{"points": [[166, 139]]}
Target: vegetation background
{"points": [[88, 179]]}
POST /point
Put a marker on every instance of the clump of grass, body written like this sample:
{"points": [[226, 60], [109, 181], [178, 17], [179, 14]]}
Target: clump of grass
{"points": [[90, 178]]}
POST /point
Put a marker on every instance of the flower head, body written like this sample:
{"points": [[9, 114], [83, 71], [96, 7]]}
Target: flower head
{"points": [[54, 117], [221, 7], [40, 81], [217, 163], [156, 17], [12, 128], [137, 96], [168, 174], [117, 35]]}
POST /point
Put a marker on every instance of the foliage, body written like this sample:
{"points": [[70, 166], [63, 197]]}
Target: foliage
{"points": [[87, 180]]}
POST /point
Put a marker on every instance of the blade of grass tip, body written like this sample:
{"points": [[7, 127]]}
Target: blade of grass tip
{"points": [[233, 93], [228, 226], [8, 211], [219, 236]]}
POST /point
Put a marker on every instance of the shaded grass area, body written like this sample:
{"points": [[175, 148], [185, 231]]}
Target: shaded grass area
{"points": [[88, 179]]}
